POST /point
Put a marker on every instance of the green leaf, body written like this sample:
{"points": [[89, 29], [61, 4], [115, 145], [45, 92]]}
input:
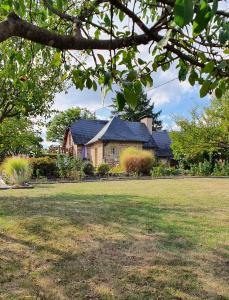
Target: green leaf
{"points": [[182, 73], [132, 75], [97, 33], [121, 101], [192, 78], [140, 61], [205, 88], [203, 16], [107, 21], [209, 67], [56, 59], [59, 4], [130, 95], [224, 35], [218, 93], [107, 77], [183, 12], [101, 58], [137, 87], [214, 7], [22, 6], [94, 85], [89, 83], [121, 15]]}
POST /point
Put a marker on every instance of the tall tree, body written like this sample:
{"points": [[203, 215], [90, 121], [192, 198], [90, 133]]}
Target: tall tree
{"points": [[206, 134], [190, 34], [29, 79], [143, 108], [19, 136], [62, 120]]}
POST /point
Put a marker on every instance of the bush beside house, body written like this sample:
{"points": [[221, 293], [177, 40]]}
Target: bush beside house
{"points": [[135, 161], [103, 169], [44, 167]]}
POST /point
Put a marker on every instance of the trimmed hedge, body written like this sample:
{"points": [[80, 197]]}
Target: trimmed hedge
{"points": [[44, 167]]}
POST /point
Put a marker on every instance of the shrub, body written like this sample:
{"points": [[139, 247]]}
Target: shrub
{"points": [[87, 168], [163, 170], [135, 161], [44, 167], [103, 169], [116, 170], [68, 166], [16, 170], [221, 169], [201, 169]]}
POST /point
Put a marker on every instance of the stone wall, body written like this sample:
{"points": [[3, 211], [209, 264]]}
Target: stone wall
{"points": [[112, 151]]}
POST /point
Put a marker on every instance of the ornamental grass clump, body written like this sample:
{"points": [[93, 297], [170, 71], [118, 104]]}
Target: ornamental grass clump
{"points": [[136, 161], [16, 170]]}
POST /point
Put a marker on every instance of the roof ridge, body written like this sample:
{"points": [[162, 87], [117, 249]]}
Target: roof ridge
{"points": [[103, 130]]}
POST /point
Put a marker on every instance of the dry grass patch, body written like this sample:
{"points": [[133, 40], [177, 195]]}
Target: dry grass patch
{"points": [[159, 239]]}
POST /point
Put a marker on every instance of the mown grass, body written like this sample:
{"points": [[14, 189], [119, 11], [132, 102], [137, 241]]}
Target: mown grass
{"points": [[159, 239]]}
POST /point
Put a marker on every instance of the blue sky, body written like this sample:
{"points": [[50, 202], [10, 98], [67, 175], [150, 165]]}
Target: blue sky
{"points": [[174, 99]]}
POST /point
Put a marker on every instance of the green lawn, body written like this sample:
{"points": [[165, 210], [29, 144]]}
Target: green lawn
{"points": [[159, 239]]}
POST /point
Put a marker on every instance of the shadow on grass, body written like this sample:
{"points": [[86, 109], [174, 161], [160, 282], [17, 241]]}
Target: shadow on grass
{"points": [[72, 246]]}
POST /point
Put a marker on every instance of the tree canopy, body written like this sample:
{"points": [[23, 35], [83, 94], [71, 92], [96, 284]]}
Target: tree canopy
{"points": [[206, 134], [19, 136], [62, 120], [193, 35], [29, 79], [143, 108]]}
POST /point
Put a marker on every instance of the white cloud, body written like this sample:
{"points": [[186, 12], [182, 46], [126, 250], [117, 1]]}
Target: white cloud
{"points": [[168, 89], [86, 98]]}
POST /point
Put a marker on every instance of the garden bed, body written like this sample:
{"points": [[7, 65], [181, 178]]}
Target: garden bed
{"points": [[120, 178]]}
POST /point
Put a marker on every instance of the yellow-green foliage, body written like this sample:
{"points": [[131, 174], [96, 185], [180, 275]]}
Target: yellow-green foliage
{"points": [[137, 161], [117, 170], [16, 170]]}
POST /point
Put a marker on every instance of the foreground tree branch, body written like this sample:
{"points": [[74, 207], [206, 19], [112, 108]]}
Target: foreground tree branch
{"points": [[193, 35]]}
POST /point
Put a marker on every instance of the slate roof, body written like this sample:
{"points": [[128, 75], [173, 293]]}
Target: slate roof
{"points": [[120, 130], [89, 131], [163, 142], [84, 130]]}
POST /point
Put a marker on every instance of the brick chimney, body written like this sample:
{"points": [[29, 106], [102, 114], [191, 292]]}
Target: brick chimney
{"points": [[148, 121]]}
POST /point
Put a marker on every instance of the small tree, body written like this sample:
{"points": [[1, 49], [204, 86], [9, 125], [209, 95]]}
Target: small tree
{"points": [[29, 80], [205, 136], [18, 136], [62, 120]]}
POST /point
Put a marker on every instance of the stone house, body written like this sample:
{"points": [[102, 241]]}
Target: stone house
{"points": [[102, 141]]}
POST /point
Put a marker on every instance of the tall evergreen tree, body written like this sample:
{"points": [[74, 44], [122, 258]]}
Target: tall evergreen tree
{"points": [[143, 108]]}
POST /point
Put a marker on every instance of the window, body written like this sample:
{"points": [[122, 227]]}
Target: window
{"points": [[114, 151]]}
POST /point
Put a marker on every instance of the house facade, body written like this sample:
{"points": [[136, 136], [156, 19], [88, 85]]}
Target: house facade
{"points": [[102, 141]]}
